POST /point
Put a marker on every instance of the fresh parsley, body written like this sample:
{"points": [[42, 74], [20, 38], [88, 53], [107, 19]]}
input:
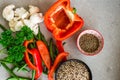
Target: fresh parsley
{"points": [[14, 43]]}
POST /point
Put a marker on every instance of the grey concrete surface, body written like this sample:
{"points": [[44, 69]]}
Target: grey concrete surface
{"points": [[102, 15]]}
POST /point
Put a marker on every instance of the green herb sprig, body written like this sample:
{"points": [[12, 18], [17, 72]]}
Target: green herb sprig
{"points": [[14, 43]]}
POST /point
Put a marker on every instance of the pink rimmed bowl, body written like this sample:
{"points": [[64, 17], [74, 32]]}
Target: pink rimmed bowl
{"points": [[96, 34]]}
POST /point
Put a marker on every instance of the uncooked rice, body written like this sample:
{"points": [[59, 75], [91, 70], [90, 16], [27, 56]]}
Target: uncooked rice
{"points": [[72, 70]]}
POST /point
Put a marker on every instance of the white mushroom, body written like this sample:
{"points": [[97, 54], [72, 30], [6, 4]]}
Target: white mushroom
{"points": [[15, 25], [33, 9], [12, 24], [18, 26], [19, 17], [32, 26], [8, 12], [28, 23], [26, 15], [36, 18], [12, 29], [35, 29], [21, 13]]}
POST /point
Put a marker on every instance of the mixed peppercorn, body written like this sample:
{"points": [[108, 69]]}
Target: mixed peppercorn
{"points": [[89, 43]]}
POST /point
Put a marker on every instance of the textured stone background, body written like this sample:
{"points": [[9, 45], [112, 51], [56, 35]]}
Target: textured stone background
{"points": [[102, 15]]}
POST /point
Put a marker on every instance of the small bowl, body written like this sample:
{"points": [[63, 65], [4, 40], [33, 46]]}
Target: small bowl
{"points": [[71, 62], [97, 35]]}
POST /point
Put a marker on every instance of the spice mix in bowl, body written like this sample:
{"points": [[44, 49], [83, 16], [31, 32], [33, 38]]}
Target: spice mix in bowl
{"points": [[73, 69], [90, 42]]}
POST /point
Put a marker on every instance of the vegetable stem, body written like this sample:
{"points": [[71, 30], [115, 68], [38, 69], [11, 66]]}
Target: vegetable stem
{"points": [[33, 74], [74, 10], [2, 49], [8, 69], [40, 36], [3, 61], [12, 73], [23, 78], [45, 70], [2, 27], [51, 49], [22, 67], [56, 51]]}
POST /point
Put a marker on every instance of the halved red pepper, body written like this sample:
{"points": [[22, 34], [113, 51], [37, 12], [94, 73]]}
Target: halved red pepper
{"points": [[58, 59], [44, 53], [37, 64], [61, 21]]}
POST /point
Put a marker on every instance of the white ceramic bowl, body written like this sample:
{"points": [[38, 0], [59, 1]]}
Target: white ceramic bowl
{"points": [[95, 33]]}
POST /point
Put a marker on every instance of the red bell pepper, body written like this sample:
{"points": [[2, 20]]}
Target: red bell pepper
{"points": [[44, 53], [37, 64], [61, 20], [27, 60], [26, 43], [59, 46], [58, 59], [37, 61]]}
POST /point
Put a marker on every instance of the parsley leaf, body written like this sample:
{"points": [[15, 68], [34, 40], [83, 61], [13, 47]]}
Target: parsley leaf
{"points": [[26, 32], [6, 38], [15, 54], [14, 44]]}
